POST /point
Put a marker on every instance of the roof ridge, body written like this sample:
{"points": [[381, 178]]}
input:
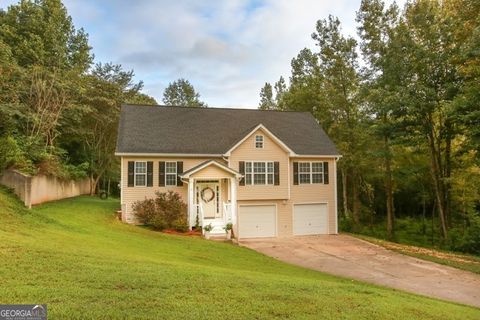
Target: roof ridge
{"points": [[208, 108]]}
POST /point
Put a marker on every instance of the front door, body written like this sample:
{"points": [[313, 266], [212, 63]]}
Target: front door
{"points": [[208, 196]]}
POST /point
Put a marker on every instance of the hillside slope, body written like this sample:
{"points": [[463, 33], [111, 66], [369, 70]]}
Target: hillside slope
{"points": [[74, 256]]}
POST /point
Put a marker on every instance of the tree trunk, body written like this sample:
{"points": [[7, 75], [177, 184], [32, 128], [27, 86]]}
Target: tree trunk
{"points": [[437, 187], [448, 171], [389, 191], [345, 193], [356, 200], [92, 185]]}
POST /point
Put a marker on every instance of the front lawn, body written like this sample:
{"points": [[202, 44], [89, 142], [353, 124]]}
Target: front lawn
{"points": [[76, 257]]}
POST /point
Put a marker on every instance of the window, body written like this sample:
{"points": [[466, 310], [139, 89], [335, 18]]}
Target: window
{"points": [[259, 173], [170, 173], [317, 172], [140, 173], [248, 173], [259, 142], [304, 172], [310, 172]]}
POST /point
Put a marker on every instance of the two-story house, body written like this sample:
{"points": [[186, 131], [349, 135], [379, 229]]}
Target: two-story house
{"points": [[270, 173]]}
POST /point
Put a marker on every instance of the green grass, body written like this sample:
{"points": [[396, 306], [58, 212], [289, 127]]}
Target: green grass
{"points": [[453, 259], [74, 256]]}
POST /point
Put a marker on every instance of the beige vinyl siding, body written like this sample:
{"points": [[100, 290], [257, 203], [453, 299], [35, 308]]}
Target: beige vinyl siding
{"points": [[129, 195], [317, 193], [211, 172], [271, 151]]}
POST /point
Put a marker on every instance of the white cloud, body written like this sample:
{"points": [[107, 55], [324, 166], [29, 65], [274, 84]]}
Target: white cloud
{"points": [[227, 49]]}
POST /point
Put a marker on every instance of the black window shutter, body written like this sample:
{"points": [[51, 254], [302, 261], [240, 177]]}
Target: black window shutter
{"points": [[131, 175], [325, 172], [149, 173], [295, 173], [276, 173], [179, 172], [241, 168], [161, 173]]}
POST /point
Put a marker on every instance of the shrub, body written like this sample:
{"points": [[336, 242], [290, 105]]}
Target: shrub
{"points": [[467, 240], [165, 211], [10, 153]]}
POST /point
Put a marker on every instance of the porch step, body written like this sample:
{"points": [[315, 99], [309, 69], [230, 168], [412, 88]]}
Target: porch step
{"points": [[218, 237]]}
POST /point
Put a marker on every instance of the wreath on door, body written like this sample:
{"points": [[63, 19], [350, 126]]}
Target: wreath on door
{"points": [[207, 194]]}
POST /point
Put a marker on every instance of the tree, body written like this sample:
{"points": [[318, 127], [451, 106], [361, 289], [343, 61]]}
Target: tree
{"points": [[106, 87], [267, 101], [182, 93], [433, 84], [42, 33], [338, 64], [266, 98], [280, 89], [380, 31]]}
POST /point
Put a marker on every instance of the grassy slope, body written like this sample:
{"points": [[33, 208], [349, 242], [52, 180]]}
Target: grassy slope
{"points": [[452, 259], [74, 256]]}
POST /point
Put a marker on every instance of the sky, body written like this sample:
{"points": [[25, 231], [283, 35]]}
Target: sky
{"points": [[226, 49]]}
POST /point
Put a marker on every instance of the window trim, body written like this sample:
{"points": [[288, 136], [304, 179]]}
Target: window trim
{"points": [[262, 142], [310, 172], [135, 174], [252, 173], [171, 174]]}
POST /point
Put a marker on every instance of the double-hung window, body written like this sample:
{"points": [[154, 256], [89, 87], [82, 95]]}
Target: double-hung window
{"points": [[171, 173], [259, 142], [310, 172], [259, 173], [140, 173]]}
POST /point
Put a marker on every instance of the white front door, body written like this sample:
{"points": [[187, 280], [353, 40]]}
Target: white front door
{"points": [[208, 196]]}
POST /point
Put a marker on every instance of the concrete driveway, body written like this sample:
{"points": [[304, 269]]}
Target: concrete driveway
{"points": [[350, 257]]}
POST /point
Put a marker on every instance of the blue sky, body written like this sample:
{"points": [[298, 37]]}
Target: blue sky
{"points": [[227, 49]]}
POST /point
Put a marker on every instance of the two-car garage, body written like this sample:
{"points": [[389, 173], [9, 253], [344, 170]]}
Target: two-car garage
{"points": [[260, 221]]}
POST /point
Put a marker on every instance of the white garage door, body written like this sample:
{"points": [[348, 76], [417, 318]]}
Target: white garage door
{"points": [[257, 221], [310, 219]]}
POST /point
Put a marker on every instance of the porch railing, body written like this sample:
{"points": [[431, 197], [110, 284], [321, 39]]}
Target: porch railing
{"points": [[227, 210], [197, 212]]}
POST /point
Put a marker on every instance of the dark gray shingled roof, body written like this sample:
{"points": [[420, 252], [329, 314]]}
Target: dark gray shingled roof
{"points": [[165, 129]]}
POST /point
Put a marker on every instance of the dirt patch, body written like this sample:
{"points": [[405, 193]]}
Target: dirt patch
{"points": [[425, 251]]}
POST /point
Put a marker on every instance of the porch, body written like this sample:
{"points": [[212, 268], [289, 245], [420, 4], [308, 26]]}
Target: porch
{"points": [[212, 196]]}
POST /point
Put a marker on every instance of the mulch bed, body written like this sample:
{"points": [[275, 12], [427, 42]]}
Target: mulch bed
{"points": [[191, 233]]}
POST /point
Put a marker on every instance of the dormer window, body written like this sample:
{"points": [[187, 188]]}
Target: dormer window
{"points": [[259, 142]]}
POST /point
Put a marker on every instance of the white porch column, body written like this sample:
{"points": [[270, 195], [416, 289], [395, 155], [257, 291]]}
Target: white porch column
{"points": [[233, 199], [191, 209]]}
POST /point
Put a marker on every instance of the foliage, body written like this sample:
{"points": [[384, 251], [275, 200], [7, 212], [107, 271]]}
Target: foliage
{"points": [[165, 211], [403, 114], [58, 113], [10, 152], [182, 93], [208, 227], [228, 227]]}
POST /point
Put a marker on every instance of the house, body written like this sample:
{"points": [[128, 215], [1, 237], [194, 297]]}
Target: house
{"points": [[269, 173]]}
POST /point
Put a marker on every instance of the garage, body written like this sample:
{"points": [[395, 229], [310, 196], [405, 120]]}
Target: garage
{"points": [[310, 219], [257, 221]]}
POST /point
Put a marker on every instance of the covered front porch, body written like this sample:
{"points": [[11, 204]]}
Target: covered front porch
{"points": [[212, 196]]}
